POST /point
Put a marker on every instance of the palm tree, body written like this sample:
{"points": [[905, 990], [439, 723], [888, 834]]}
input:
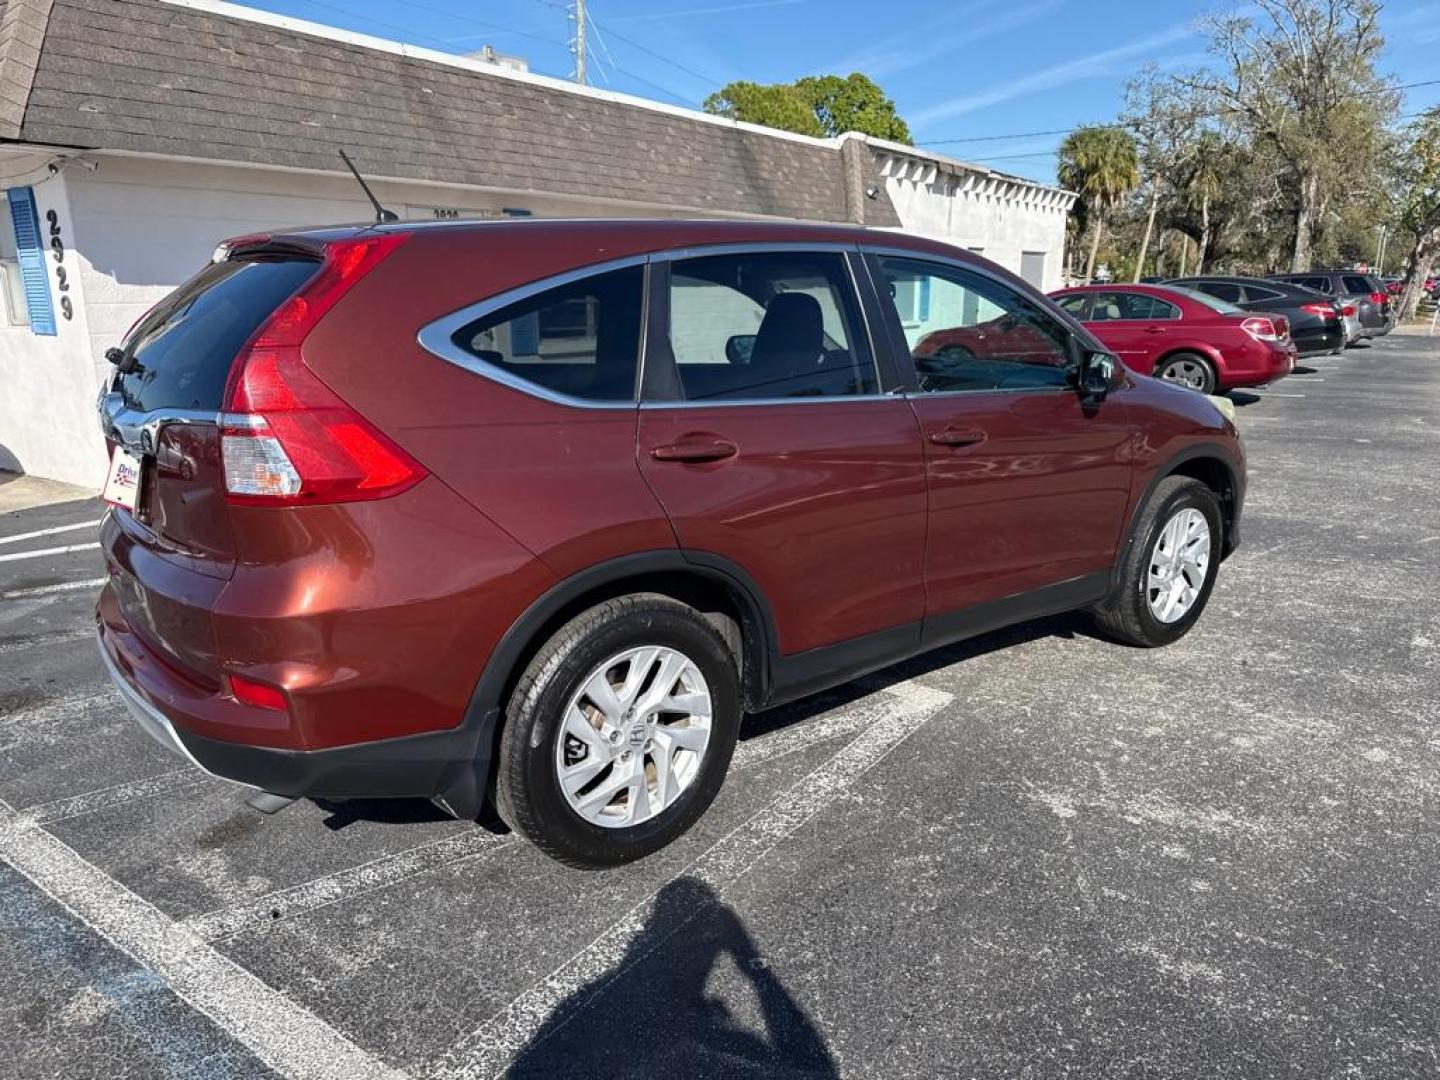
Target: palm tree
{"points": [[1102, 166]]}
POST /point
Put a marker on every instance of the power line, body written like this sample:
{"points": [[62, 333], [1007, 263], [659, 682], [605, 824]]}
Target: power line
{"points": [[707, 79]]}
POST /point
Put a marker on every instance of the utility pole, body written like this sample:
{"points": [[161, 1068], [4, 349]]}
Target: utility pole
{"points": [[1380, 257], [577, 43]]}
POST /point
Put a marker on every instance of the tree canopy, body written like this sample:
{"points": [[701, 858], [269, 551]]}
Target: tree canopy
{"points": [[1102, 165], [1279, 152], [817, 105]]}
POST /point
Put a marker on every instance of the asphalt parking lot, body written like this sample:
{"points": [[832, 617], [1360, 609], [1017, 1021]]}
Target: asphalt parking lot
{"points": [[1035, 855]]}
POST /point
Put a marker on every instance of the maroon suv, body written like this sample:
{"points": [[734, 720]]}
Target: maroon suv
{"points": [[537, 510]]}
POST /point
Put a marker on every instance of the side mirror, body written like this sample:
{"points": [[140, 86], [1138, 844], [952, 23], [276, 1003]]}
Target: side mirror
{"points": [[739, 347], [1097, 375]]}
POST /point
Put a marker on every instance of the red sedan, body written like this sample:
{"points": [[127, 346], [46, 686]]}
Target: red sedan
{"points": [[1184, 336]]}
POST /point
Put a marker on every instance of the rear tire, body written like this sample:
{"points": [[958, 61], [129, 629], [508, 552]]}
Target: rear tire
{"points": [[1161, 589], [1190, 370], [596, 777]]}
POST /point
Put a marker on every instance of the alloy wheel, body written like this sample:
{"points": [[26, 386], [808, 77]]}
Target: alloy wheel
{"points": [[1179, 562], [633, 736]]}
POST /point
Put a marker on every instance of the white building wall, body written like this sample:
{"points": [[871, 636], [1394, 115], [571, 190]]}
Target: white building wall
{"points": [[998, 218], [47, 405]]}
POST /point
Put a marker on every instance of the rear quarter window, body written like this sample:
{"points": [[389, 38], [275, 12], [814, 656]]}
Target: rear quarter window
{"points": [[183, 349], [1360, 285], [580, 339]]}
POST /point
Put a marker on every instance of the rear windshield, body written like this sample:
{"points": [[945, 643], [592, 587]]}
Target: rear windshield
{"points": [[184, 348], [1223, 307], [1357, 284]]}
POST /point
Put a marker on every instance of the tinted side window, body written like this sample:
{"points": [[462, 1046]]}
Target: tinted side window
{"points": [[184, 347], [767, 325], [970, 332], [581, 339], [1320, 284], [1255, 292], [1074, 305], [1359, 285], [1224, 290]]}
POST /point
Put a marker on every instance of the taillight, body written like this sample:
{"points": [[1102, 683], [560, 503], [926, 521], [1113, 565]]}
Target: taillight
{"points": [[287, 439], [1379, 298], [1261, 329], [1324, 310], [1348, 311]]}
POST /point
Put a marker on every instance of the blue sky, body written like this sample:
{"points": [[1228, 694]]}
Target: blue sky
{"points": [[965, 70]]}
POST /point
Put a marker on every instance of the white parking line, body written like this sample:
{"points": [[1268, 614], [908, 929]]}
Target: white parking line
{"points": [[288, 1038], [442, 854], [486, 1051], [168, 783], [14, 555], [50, 532], [59, 587], [36, 641], [345, 884]]}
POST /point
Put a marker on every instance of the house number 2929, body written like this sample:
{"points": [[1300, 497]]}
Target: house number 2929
{"points": [[57, 249]]}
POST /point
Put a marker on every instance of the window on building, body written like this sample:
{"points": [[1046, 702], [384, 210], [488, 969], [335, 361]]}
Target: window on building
{"points": [[979, 333], [12, 286], [767, 325], [580, 339]]}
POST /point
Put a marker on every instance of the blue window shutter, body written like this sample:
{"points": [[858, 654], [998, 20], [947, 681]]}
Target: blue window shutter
{"points": [[33, 273]]}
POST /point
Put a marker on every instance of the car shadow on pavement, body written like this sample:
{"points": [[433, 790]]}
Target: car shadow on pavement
{"points": [[692, 996], [1243, 397]]}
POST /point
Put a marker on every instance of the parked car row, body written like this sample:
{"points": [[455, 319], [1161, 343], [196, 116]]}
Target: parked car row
{"points": [[1214, 333]]}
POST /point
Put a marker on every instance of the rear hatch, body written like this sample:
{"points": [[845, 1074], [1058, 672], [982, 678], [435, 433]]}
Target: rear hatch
{"points": [[231, 427], [173, 553], [165, 399]]}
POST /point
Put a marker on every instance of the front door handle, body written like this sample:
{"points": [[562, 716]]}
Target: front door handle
{"points": [[697, 451], [957, 437]]}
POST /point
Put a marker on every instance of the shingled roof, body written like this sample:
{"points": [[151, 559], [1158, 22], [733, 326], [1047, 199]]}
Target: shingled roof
{"points": [[214, 81]]}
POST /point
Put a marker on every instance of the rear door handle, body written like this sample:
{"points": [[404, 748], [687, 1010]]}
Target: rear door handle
{"points": [[697, 451], [956, 437], [1154, 330]]}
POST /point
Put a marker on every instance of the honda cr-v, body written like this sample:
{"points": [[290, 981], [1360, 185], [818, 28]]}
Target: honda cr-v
{"points": [[533, 512]]}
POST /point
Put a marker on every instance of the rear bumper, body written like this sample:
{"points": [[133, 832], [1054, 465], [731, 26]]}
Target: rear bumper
{"points": [[448, 766], [1317, 342]]}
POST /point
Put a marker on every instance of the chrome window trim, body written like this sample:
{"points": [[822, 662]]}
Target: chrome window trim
{"points": [[733, 403], [961, 264], [436, 337]]}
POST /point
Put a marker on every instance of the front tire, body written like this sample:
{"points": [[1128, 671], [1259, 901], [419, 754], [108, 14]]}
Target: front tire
{"points": [[619, 733], [1190, 370], [1169, 569]]}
